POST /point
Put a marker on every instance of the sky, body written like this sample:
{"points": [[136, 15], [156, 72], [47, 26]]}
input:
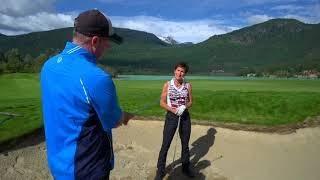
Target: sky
{"points": [[184, 20]]}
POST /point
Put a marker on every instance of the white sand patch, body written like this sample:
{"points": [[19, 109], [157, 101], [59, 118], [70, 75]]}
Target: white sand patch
{"points": [[216, 153]]}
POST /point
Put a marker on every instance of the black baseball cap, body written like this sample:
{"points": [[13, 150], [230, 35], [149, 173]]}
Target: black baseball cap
{"points": [[94, 23]]}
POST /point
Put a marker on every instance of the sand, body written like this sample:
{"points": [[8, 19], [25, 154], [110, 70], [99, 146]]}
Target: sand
{"points": [[216, 153]]}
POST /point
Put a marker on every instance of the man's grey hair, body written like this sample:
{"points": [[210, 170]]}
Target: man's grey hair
{"points": [[80, 38]]}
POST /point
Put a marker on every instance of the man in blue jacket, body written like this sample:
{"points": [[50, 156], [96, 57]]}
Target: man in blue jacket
{"points": [[80, 105]]}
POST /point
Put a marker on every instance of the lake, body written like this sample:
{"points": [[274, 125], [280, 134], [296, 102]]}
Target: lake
{"points": [[195, 77]]}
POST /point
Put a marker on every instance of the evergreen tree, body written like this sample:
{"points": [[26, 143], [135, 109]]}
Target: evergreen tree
{"points": [[2, 58], [2, 63], [39, 61], [28, 63], [2, 67], [14, 61]]}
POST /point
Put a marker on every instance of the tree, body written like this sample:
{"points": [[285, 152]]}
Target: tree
{"points": [[14, 61], [39, 61], [2, 63], [28, 63], [2, 58], [112, 71], [2, 67]]}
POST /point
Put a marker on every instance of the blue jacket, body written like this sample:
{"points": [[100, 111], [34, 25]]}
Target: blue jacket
{"points": [[80, 108]]}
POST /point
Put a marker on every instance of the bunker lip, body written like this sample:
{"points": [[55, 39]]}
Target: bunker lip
{"points": [[225, 154], [279, 129], [37, 136]]}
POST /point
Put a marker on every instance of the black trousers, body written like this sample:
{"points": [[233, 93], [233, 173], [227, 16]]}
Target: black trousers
{"points": [[105, 177], [169, 130]]}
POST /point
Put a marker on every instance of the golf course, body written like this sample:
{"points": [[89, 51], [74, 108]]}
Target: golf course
{"points": [[243, 128], [160, 90], [256, 102]]}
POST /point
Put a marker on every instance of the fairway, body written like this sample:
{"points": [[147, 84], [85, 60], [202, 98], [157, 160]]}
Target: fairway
{"points": [[259, 102]]}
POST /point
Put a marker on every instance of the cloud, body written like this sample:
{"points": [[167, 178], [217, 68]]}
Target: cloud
{"points": [[255, 2], [302, 18], [316, 12], [23, 16], [255, 19], [18, 8], [308, 13], [211, 3], [182, 31], [287, 7], [42, 21], [111, 1], [17, 17]]}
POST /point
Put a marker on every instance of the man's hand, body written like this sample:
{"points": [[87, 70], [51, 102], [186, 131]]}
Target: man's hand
{"points": [[180, 110], [126, 116]]}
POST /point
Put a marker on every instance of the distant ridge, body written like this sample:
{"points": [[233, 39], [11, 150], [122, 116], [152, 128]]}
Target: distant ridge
{"points": [[274, 43]]}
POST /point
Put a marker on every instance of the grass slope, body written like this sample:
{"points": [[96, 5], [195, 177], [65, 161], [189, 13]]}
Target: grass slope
{"points": [[19, 94]]}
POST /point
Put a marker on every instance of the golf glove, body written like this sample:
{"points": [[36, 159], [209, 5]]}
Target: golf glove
{"points": [[180, 110]]}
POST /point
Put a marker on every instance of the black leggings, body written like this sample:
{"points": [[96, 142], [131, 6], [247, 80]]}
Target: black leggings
{"points": [[169, 130]]}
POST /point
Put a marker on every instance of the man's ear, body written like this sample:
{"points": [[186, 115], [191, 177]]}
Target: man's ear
{"points": [[94, 44], [94, 41]]}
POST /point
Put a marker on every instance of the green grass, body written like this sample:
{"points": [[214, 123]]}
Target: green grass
{"points": [[261, 102], [28, 120], [19, 94], [262, 108]]}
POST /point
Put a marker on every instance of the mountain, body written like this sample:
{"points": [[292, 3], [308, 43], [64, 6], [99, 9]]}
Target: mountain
{"points": [[169, 40], [275, 43], [186, 43], [37, 42]]}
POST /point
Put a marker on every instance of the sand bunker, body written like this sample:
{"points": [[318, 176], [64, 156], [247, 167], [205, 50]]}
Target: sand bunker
{"points": [[216, 153]]}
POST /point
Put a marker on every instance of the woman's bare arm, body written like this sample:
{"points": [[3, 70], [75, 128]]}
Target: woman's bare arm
{"points": [[189, 104], [163, 99]]}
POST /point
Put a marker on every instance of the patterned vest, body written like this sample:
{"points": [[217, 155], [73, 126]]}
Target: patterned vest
{"points": [[177, 96]]}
